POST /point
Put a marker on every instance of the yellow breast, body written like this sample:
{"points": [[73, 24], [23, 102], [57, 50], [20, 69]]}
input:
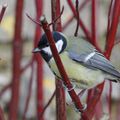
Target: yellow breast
{"points": [[82, 76]]}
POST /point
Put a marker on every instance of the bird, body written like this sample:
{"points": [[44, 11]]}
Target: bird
{"points": [[85, 66]]}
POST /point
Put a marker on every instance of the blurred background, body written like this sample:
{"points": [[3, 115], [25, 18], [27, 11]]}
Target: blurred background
{"points": [[28, 67]]}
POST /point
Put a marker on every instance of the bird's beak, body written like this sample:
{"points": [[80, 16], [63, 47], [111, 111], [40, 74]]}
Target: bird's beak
{"points": [[36, 50]]}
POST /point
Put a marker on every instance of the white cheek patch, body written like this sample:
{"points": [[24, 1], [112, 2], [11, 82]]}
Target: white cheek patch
{"points": [[59, 45], [47, 50]]}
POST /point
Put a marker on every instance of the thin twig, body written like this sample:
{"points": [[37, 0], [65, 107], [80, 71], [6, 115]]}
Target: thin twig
{"points": [[72, 17], [93, 22], [46, 106], [29, 93], [27, 65], [57, 17], [110, 14], [117, 41], [35, 21], [82, 25], [78, 17], [4, 89], [38, 23], [2, 11]]}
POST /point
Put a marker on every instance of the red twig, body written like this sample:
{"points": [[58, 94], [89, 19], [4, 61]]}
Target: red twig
{"points": [[46, 106], [93, 41], [54, 21], [39, 8], [93, 22], [35, 21], [98, 110], [27, 65], [4, 89], [2, 12], [61, 69], [60, 95], [17, 54], [87, 33], [29, 93], [117, 42], [110, 14], [118, 109], [113, 20], [1, 114], [113, 28], [94, 100], [109, 98], [60, 101], [109, 46]]}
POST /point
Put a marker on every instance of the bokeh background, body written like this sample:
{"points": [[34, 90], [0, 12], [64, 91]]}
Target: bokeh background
{"points": [[7, 28]]}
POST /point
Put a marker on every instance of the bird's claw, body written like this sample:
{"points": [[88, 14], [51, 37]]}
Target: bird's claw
{"points": [[84, 105], [83, 109], [65, 87]]}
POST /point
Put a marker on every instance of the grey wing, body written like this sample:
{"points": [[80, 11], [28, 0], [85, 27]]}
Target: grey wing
{"points": [[94, 60]]}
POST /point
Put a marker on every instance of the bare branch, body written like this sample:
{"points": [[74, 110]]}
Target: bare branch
{"points": [[77, 13], [35, 21], [2, 11], [57, 17]]}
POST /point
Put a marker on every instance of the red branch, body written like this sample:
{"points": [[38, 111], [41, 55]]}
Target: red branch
{"points": [[2, 12], [54, 21], [60, 95], [113, 28], [93, 22], [35, 21], [38, 59], [27, 65], [109, 46], [17, 54], [110, 14], [61, 69], [46, 106], [1, 114], [29, 92]]}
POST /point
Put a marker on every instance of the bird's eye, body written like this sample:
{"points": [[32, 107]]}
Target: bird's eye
{"points": [[47, 45]]}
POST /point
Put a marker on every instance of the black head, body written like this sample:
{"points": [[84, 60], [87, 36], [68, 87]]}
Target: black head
{"points": [[44, 47]]}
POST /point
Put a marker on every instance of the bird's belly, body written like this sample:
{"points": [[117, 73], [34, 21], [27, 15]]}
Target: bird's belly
{"points": [[79, 75]]}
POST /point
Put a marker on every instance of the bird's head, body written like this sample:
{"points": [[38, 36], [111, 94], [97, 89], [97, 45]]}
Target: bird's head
{"points": [[44, 47]]}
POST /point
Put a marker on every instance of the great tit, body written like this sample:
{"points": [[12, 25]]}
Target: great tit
{"points": [[84, 65]]}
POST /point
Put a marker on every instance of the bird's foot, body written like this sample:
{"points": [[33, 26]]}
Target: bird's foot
{"points": [[84, 105], [76, 109], [73, 87], [65, 87]]}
